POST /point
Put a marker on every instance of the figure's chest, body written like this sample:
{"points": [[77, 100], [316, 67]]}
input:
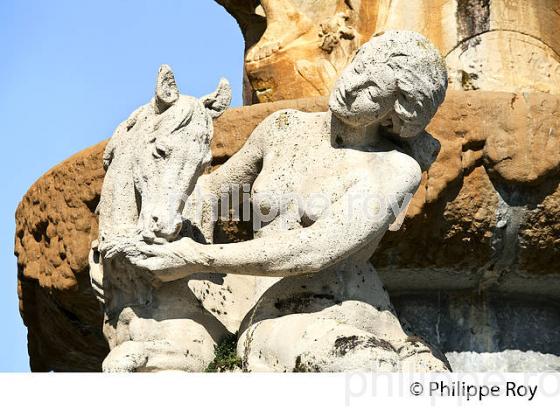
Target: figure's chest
{"points": [[303, 179]]}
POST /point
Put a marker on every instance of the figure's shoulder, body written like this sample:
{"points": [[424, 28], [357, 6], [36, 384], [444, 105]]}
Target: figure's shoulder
{"points": [[286, 123], [407, 170], [404, 161], [396, 168], [288, 118]]}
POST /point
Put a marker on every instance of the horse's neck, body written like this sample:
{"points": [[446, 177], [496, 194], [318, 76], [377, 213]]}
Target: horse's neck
{"points": [[118, 214]]}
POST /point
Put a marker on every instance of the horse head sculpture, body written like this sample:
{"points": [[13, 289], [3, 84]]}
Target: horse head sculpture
{"points": [[175, 152], [171, 138]]}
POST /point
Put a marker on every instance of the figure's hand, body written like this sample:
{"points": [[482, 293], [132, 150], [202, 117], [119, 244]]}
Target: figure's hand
{"points": [[169, 261], [126, 246]]}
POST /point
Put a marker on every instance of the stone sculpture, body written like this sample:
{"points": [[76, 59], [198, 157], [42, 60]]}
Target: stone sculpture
{"points": [[474, 267], [153, 161], [319, 304], [448, 269], [300, 42], [498, 45]]}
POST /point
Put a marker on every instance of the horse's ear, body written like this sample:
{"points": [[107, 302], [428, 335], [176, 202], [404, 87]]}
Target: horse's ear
{"points": [[217, 102], [166, 89]]}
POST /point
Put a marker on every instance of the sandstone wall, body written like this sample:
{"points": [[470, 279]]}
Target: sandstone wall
{"points": [[483, 230], [493, 45], [55, 224]]}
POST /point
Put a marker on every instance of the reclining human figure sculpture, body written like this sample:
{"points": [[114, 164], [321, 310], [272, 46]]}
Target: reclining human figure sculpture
{"points": [[319, 304]]}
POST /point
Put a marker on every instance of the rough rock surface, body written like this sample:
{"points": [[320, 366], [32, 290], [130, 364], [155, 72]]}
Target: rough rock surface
{"points": [[474, 225], [493, 215], [498, 324], [296, 49], [55, 224]]}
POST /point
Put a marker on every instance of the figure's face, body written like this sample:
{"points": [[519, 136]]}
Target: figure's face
{"points": [[365, 92]]}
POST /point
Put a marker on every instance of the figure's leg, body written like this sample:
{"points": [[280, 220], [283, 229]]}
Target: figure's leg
{"points": [[160, 355], [284, 24], [161, 345], [182, 345], [320, 342], [307, 343], [125, 358]]}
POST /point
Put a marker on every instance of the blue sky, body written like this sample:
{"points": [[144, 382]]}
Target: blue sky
{"points": [[70, 71]]}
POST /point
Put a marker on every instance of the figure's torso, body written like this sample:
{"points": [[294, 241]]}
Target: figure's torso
{"points": [[301, 161]]}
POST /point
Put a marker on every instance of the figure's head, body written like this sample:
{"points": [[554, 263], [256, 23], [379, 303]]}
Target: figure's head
{"points": [[397, 78], [175, 150]]}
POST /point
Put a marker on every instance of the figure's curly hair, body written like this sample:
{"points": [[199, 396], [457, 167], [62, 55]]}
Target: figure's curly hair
{"points": [[421, 78]]}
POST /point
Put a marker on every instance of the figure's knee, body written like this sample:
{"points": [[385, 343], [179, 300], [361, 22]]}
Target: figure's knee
{"points": [[127, 357], [256, 349]]}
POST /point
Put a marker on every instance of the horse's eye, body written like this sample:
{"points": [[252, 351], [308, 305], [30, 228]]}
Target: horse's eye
{"points": [[160, 151]]}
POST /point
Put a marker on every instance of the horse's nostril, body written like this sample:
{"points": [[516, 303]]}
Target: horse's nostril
{"points": [[155, 225]]}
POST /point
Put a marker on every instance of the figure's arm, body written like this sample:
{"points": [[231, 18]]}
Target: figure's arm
{"points": [[242, 168], [359, 218], [355, 220]]}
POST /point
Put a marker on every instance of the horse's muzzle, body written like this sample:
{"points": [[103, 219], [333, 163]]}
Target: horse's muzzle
{"points": [[157, 230]]}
